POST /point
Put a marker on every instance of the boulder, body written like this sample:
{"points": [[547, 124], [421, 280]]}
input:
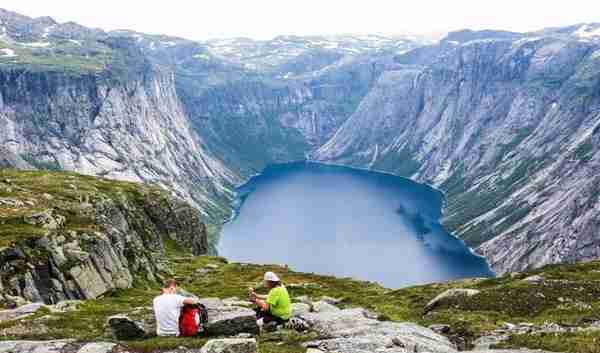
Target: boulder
{"points": [[330, 300], [20, 312], [65, 306], [10, 202], [45, 219], [303, 299], [97, 347], [449, 294], [58, 346], [230, 345], [486, 342], [350, 330], [300, 308], [323, 306], [33, 346], [235, 301], [440, 328], [229, 320], [534, 279], [124, 328]]}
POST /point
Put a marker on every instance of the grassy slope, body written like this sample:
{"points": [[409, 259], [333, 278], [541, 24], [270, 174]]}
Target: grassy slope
{"points": [[62, 192], [59, 55]]}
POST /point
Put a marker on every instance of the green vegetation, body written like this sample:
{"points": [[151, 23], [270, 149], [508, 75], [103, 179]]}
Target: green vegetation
{"points": [[59, 56], [401, 164], [584, 152], [579, 342], [465, 205], [61, 193]]}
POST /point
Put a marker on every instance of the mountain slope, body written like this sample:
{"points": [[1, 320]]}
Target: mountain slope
{"points": [[117, 117], [508, 128]]}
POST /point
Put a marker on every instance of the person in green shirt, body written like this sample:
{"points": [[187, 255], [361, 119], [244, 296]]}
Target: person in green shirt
{"points": [[274, 308]]}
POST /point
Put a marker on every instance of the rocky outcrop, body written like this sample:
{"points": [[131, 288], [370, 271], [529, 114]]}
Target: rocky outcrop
{"points": [[230, 345], [229, 320], [64, 346], [123, 328], [126, 122], [350, 330], [91, 241]]}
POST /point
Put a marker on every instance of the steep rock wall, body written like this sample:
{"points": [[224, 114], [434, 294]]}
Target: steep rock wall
{"points": [[509, 129], [129, 129]]}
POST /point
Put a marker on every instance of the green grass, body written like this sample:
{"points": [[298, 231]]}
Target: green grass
{"points": [[63, 193], [581, 342], [584, 152]]}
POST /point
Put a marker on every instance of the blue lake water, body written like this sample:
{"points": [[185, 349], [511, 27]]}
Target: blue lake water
{"points": [[346, 222]]}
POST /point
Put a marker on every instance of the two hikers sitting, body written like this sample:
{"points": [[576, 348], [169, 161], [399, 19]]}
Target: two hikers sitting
{"points": [[274, 308], [177, 315]]}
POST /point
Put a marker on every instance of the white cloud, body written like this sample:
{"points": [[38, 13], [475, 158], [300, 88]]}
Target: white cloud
{"points": [[267, 18]]}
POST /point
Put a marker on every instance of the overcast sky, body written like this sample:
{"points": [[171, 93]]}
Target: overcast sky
{"points": [[202, 19]]}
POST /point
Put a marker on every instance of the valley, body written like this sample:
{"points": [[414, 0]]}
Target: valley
{"points": [[122, 154], [504, 123]]}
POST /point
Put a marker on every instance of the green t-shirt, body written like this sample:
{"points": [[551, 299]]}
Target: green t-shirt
{"points": [[279, 303]]}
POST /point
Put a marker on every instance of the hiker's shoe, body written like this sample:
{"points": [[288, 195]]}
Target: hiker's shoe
{"points": [[270, 327]]}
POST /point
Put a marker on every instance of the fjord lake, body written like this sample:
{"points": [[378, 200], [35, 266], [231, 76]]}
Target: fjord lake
{"points": [[346, 222]]}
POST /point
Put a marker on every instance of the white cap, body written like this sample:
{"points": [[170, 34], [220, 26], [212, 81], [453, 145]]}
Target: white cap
{"points": [[270, 276]]}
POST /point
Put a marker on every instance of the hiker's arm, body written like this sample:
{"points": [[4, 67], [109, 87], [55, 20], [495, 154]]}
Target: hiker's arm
{"points": [[264, 306]]}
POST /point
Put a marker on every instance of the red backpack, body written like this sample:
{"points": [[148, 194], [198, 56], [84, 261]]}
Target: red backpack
{"points": [[192, 320]]}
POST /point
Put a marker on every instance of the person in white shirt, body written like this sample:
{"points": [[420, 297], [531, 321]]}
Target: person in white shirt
{"points": [[167, 308]]}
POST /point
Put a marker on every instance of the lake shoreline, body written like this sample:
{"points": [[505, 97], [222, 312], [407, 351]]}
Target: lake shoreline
{"points": [[433, 212]]}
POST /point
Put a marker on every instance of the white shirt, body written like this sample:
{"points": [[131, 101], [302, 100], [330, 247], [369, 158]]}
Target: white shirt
{"points": [[167, 308]]}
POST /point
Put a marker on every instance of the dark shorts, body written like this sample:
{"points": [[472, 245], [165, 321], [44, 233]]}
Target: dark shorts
{"points": [[268, 317]]}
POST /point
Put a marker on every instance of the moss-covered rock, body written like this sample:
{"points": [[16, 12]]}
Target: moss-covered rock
{"points": [[68, 236]]}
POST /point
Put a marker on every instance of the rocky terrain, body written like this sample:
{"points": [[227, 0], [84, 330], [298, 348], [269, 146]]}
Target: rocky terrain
{"points": [[554, 309], [66, 236]]}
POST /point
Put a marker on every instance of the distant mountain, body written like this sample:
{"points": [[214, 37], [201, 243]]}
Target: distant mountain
{"points": [[294, 55], [505, 123]]}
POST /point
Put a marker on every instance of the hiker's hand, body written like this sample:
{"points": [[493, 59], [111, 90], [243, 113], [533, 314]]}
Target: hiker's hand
{"points": [[250, 290]]}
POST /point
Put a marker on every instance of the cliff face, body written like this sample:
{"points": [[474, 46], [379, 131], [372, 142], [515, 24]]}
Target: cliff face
{"points": [[508, 128], [252, 120], [66, 236], [128, 126]]}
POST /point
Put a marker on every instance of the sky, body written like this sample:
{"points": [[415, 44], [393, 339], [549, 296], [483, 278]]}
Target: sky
{"points": [[264, 19]]}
